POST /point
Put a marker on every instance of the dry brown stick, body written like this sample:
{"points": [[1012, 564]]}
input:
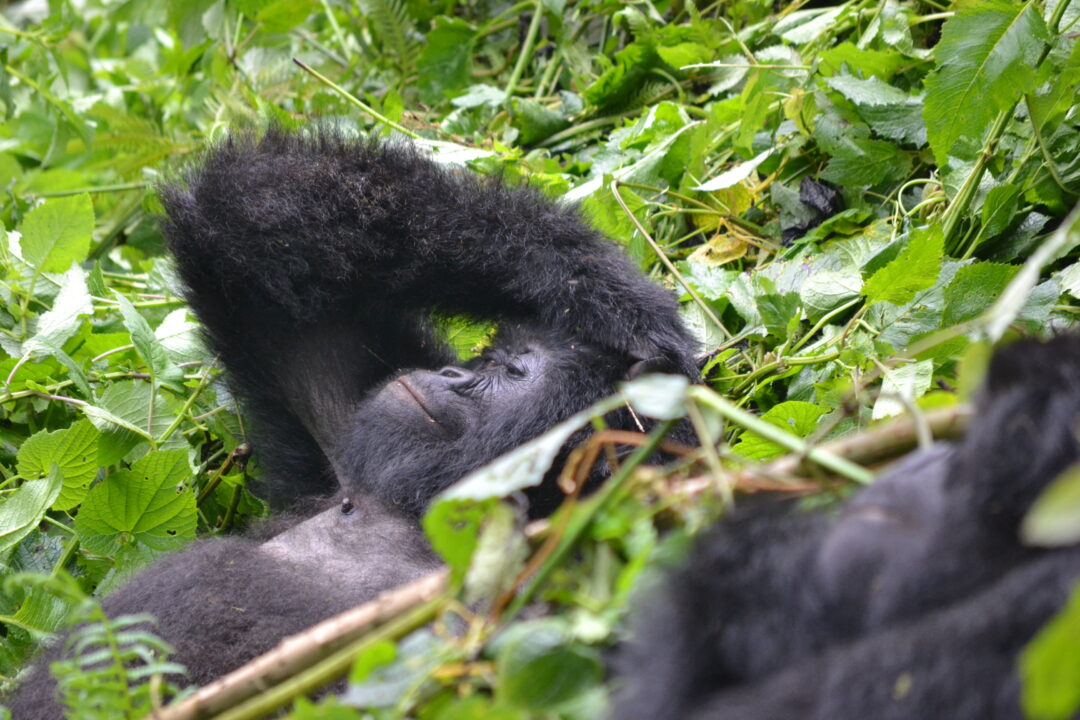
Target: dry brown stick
{"points": [[302, 650], [884, 442]]}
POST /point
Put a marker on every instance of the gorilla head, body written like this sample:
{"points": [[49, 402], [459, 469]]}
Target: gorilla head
{"points": [[441, 424]]}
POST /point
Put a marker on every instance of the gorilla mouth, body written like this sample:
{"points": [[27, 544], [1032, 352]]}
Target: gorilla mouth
{"points": [[417, 397]]}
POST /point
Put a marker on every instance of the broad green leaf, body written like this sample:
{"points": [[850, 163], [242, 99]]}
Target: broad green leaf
{"points": [[23, 510], [985, 62], [56, 325], [498, 558], [540, 666], [909, 382], [662, 397], [123, 416], [915, 268], [146, 343], [1054, 518], [453, 527], [889, 111], [73, 449], [999, 209], [1070, 280], [446, 58], [827, 290], [148, 504], [534, 121], [1050, 667], [58, 233], [378, 655], [973, 289], [794, 416]]}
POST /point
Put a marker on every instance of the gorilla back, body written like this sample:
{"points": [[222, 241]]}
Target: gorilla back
{"points": [[913, 601], [315, 263]]}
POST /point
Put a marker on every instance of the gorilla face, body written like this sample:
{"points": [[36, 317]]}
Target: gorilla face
{"points": [[424, 429]]}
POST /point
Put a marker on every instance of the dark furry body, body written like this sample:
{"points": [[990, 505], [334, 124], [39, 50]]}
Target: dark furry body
{"points": [[314, 263], [912, 601]]}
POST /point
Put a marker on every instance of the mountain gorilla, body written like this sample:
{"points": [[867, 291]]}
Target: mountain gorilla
{"points": [[913, 601], [315, 264]]}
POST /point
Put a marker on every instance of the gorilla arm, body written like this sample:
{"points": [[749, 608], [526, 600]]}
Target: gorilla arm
{"points": [[314, 262]]}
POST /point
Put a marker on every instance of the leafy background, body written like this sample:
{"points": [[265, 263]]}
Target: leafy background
{"points": [[855, 201]]}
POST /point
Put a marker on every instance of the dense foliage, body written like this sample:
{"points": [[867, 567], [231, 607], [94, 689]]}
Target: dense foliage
{"points": [[856, 202]]}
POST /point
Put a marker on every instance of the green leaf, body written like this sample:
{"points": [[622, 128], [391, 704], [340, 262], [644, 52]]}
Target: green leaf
{"points": [[985, 62], [827, 290], [1050, 667], [445, 61], [74, 450], [540, 667], [909, 382], [56, 325], [23, 510], [889, 111], [915, 268], [146, 343], [58, 233], [453, 527], [662, 397], [973, 289], [999, 209], [146, 504], [123, 415], [534, 121], [794, 416], [1054, 518]]}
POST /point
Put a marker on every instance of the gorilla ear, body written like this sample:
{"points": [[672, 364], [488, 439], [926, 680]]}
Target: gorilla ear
{"points": [[646, 366]]}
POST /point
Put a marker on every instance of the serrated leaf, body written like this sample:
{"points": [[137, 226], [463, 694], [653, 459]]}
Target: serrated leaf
{"points": [[915, 268], [1054, 517], [973, 289], [73, 449], [146, 504], [796, 417], [123, 416], [58, 233], [1050, 667], [908, 381], [23, 510], [985, 62]]}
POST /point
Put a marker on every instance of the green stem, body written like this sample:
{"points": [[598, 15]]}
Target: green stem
{"points": [[584, 516], [526, 49], [791, 443], [355, 100]]}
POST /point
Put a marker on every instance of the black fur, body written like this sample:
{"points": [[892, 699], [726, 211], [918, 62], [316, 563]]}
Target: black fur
{"points": [[911, 602], [315, 263]]}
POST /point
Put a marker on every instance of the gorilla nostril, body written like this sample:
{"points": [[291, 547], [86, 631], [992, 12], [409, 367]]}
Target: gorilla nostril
{"points": [[455, 373]]}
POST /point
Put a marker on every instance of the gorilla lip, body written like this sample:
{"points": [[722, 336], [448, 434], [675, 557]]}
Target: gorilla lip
{"points": [[415, 395]]}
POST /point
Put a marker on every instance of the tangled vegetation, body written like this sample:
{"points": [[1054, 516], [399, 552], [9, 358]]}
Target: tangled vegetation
{"points": [[856, 201]]}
